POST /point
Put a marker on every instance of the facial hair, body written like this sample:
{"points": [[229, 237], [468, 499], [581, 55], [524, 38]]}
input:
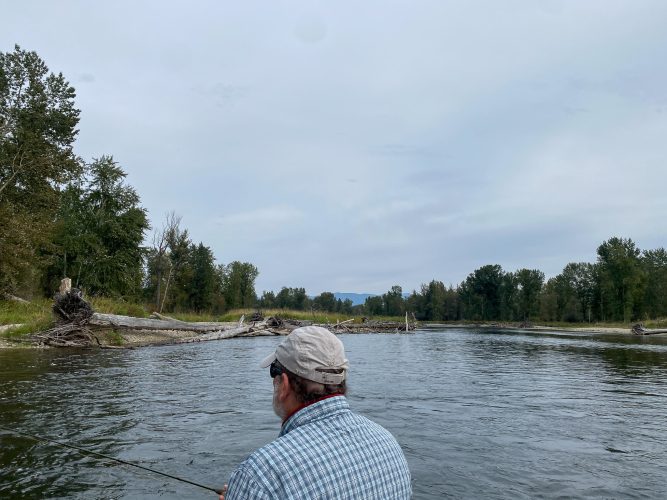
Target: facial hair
{"points": [[277, 407]]}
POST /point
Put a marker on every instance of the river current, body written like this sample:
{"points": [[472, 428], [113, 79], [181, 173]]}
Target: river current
{"points": [[479, 414]]}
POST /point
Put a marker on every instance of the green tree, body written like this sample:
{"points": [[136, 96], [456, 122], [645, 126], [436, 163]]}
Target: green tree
{"points": [[549, 301], [100, 232], [529, 283], [509, 297], [202, 287], [346, 306], [38, 122], [238, 284], [373, 305], [434, 302], [292, 298], [267, 300], [481, 293], [393, 301], [622, 279], [414, 303], [326, 301], [579, 280], [179, 272], [654, 264]]}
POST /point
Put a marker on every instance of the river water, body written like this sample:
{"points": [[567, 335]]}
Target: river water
{"points": [[479, 414]]}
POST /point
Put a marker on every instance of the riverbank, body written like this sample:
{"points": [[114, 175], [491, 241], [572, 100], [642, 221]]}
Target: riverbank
{"points": [[132, 339], [536, 328]]}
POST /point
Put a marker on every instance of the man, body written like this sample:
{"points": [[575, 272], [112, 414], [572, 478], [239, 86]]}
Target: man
{"points": [[324, 450]]}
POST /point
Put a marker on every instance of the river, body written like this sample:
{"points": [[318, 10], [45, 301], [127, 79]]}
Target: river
{"points": [[479, 414]]}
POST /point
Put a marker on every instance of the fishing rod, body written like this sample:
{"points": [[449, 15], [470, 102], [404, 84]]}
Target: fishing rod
{"points": [[101, 455]]}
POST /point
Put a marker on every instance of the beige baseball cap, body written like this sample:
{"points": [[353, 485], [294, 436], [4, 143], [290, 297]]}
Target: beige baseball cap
{"points": [[308, 352]]}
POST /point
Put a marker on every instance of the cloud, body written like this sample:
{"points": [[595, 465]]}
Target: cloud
{"points": [[86, 78], [261, 218], [338, 149]]}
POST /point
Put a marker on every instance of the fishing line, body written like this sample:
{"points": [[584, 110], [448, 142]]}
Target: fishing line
{"points": [[101, 455]]}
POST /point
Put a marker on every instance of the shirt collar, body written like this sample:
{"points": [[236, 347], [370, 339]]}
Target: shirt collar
{"points": [[324, 406]]}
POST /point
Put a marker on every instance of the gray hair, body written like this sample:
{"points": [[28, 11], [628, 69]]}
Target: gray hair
{"points": [[307, 391]]}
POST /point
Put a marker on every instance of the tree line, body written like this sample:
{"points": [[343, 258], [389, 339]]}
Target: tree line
{"points": [[61, 215], [624, 284]]}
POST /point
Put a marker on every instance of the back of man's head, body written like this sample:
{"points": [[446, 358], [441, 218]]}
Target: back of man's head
{"points": [[313, 353], [314, 360]]}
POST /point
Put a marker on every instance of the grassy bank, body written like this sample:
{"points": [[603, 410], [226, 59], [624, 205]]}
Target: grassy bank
{"points": [[36, 316], [33, 316]]}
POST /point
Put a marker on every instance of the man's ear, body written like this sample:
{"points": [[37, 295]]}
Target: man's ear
{"points": [[284, 388]]}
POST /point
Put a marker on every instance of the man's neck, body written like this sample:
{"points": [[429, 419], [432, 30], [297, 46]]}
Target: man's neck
{"points": [[305, 405]]}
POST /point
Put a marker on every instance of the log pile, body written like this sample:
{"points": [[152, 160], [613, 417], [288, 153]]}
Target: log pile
{"points": [[371, 326], [77, 324]]}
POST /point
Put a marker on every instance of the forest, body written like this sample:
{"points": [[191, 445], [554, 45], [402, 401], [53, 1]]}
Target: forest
{"points": [[63, 215]]}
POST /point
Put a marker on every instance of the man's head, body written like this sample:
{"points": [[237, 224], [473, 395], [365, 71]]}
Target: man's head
{"points": [[308, 364]]}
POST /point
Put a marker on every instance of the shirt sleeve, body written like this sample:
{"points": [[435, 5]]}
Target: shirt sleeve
{"points": [[243, 486]]}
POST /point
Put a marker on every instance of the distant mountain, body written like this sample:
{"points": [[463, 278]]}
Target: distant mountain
{"points": [[356, 298]]}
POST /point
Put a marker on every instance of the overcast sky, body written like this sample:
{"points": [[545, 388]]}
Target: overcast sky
{"points": [[354, 145]]}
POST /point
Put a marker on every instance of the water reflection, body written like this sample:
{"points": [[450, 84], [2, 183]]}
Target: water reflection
{"points": [[492, 414]]}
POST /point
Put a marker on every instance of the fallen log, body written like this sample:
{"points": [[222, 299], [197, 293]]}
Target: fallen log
{"points": [[14, 298], [6, 328], [157, 315], [118, 321], [225, 334], [639, 329], [369, 326]]}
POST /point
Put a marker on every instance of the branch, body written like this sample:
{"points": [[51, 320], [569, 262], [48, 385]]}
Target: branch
{"points": [[15, 170]]}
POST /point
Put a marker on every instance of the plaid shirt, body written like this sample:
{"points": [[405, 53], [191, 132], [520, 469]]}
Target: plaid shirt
{"points": [[325, 451]]}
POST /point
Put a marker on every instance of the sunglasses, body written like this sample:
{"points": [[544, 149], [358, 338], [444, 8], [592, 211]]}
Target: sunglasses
{"points": [[275, 369]]}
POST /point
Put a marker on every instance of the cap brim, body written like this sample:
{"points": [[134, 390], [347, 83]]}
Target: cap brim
{"points": [[268, 360]]}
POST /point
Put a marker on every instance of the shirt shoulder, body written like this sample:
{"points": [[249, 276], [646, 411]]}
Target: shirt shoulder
{"points": [[343, 456], [245, 485]]}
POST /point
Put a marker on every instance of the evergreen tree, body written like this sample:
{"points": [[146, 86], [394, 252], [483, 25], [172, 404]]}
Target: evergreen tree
{"points": [[654, 264], [393, 301], [267, 300], [238, 285], [373, 305], [435, 296], [100, 230], [326, 301], [482, 293], [622, 279], [529, 284], [202, 287]]}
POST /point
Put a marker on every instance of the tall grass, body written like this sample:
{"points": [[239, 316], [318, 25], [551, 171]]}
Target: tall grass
{"points": [[33, 316], [314, 316], [107, 305], [658, 324]]}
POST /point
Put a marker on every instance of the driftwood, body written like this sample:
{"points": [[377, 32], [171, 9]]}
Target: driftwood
{"points": [[77, 323], [66, 335], [245, 331], [157, 315], [72, 313], [130, 322], [369, 326], [639, 329], [71, 307], [257, 316], [14, 298], [6, 328]]}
